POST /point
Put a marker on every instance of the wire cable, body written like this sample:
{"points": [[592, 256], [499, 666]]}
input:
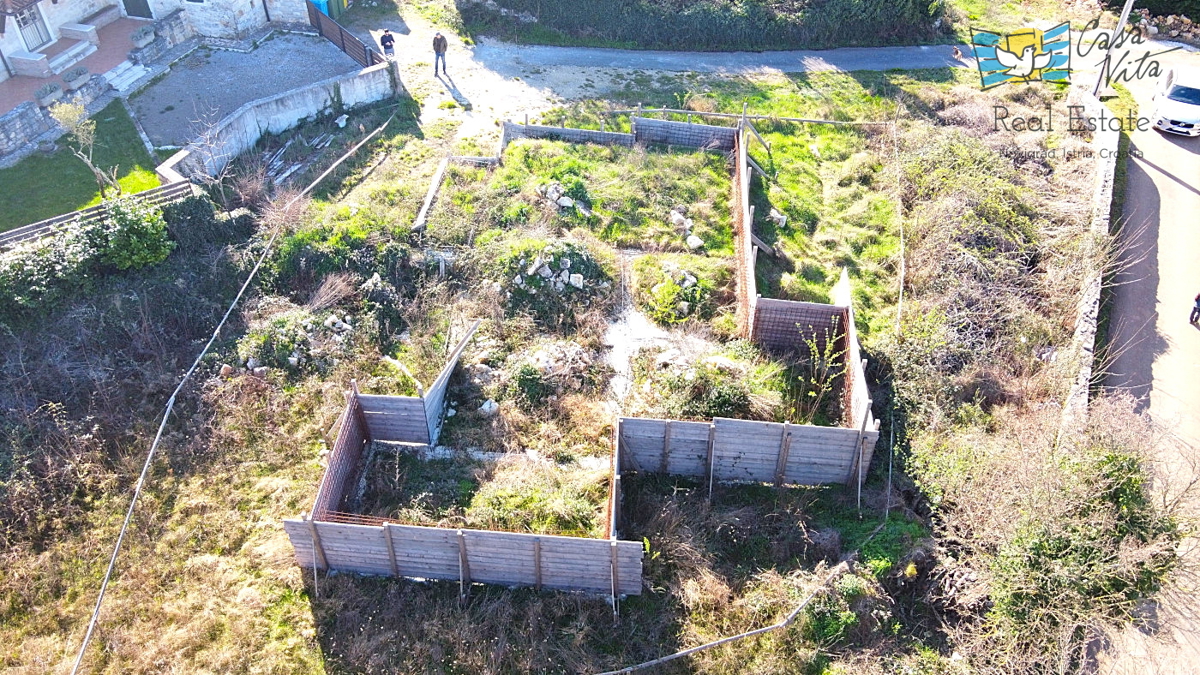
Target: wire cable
{"points": [[141, 483]]}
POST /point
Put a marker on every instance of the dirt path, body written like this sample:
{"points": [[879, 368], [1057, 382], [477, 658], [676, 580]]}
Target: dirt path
{"points": [[1158, 357]]}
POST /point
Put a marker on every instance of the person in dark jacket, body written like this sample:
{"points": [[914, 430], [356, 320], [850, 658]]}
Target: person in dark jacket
{"points": [[388, 42], [439, 52], [1195, 310]]}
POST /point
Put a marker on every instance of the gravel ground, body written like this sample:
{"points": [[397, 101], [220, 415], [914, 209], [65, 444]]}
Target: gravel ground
{"points": [[213, 83]]}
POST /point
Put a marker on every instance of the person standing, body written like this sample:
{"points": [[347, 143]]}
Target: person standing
{"points": [[388, 42], [439, 52], [1195, 310]]}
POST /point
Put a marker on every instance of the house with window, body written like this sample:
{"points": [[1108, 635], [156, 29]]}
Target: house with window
{"points": [[43, 38]]}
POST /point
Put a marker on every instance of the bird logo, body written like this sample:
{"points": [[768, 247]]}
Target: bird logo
{"points": [[1025, 56]]}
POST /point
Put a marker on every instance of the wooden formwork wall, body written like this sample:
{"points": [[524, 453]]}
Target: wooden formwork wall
{"points": [[506, 558], [743, 450]]}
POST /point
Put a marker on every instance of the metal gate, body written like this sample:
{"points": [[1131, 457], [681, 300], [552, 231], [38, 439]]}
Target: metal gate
{"points": [[33, 28], [344, 39]]}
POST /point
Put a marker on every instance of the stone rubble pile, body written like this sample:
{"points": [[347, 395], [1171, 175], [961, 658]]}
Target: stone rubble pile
{"points": [[683, 226]]}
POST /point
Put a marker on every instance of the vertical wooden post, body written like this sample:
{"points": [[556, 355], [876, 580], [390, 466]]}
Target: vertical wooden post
{"points": [[318, 549], [537, 563], [712, 439], [387, 539], [785, 447], [615, 579], [464, 567], [666, 451], [526, 119]]}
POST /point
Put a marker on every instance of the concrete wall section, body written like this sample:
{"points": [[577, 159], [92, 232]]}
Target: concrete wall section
{"points": [[241, 129]]}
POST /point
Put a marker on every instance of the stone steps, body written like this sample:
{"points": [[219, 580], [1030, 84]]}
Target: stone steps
{"points": [[71, 56], [123, 77]]}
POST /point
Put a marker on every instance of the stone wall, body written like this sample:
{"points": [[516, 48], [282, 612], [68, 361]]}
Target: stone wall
{"points": [[169, 31], [216, 18], [20, 126]]}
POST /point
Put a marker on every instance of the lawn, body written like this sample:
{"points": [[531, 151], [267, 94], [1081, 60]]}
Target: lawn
{"points": [[44, 186]]}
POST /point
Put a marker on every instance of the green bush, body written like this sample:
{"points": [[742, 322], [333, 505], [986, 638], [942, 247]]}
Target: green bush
{"points": [[37, 276], [528, 387], [828, 619], [135, 234], [282, 342]]}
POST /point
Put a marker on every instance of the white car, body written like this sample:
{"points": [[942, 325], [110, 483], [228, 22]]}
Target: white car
{"points": [[1177, 103]]}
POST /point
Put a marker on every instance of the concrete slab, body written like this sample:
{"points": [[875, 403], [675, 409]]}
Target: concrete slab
{"points": [[209, 84]]}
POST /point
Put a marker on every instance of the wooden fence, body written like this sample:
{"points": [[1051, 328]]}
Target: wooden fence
{"points": [[731, 450], [344, 39], [159, 196], [470, 556]]}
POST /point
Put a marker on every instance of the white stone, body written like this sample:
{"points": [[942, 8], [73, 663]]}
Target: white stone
{"points": [[489, 407], [577, 281], [565, 202], [688, 281], [451, 412], [545, 272], [293, 361], [565, 263], [688, 225], [533, 267], [253, 363], [677, 219], [565, 276], [694, 242], [331, 320], [260, 371], [684, 307], [559, 286], [341, 121]]}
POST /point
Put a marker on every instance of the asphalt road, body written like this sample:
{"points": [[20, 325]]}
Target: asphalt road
{"points": [[1157, 352]]}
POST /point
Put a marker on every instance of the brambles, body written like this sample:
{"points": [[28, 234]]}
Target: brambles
{"points": [[135, 234]]}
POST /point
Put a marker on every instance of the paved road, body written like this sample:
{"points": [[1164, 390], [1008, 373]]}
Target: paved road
{"points": [[1158, 351]]}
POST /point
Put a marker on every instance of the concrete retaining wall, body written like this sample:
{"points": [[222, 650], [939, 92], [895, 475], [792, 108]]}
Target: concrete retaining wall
{"points": [[240, 130]]}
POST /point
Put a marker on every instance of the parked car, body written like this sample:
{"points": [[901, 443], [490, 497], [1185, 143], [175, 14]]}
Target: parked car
{"points": [[1177, 103]]}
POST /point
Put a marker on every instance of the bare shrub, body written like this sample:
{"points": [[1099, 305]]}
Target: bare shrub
{"points": [[332, 291]]}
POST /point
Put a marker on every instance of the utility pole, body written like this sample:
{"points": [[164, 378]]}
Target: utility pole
{"points": [[1116, 37]]}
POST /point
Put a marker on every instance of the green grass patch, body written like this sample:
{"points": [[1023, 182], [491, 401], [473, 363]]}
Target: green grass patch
{"points": [[43, 186], [624, 196]]}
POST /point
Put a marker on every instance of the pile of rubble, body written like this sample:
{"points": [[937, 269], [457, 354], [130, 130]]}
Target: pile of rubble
{"points": [[563, 364], [684, 280], [1175, 26], [556, 195], [683, 226], [552, 271]]}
